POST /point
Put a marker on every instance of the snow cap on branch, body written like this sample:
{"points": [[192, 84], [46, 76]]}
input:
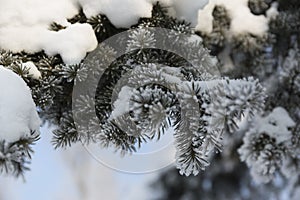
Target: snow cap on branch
{"points": [[242, 20], [18, 115]]}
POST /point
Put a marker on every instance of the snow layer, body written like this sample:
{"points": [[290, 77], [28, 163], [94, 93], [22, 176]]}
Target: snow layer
{"points": [[188, 9], [121, 105], [242, 20], [122, 13], [276, 124], [25, 26], [183, 9], [18, 115], [71, 43], [33, 70]]}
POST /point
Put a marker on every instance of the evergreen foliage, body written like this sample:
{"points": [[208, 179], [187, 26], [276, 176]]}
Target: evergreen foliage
{"points": [[14, 156], [269, 148], [209, 113]]}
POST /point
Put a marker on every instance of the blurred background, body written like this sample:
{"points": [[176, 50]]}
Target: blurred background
{"points": [[74, 174]]}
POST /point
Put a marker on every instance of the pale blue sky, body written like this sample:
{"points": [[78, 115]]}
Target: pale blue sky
{"points": [[53, 178]]}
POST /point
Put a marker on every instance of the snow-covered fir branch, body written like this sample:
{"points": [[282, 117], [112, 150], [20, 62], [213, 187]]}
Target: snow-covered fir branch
{"points": [[244, 97]]}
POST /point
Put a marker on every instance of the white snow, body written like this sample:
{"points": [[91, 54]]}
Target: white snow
{"points": [[188, 9], [276, 124], [183, 9], [25, 26], [121, 105], [18, 115], [33, 70], [122, 13], [273, 11], [242, 20], [71, 43]]}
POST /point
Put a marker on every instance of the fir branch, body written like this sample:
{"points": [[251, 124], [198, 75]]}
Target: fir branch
{"points": [[66, 134], [15, 156]]}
